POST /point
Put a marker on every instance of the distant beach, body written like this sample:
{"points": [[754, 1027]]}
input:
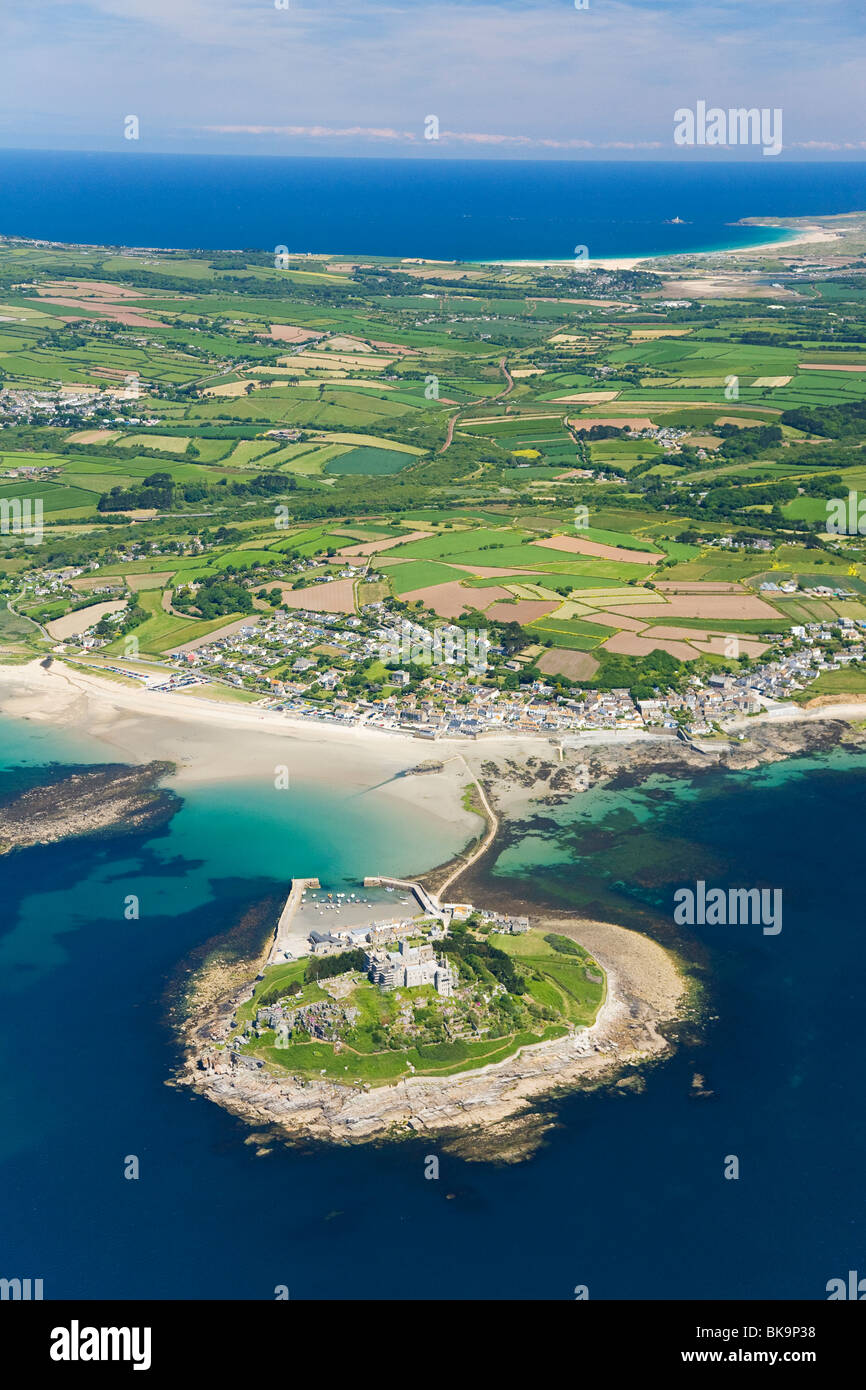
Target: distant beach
{"points": [[786, 239], [211, 742], [519, 211]]}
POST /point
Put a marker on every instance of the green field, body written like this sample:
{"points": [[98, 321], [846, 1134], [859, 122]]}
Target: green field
{"points": [[373, 453], [574, 993], [373, 461], [848, 681], [162, 631], [420, 574]]}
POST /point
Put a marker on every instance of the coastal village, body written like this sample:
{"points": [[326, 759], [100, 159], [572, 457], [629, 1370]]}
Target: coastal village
{"points": [[380, 669], [515, 585]]}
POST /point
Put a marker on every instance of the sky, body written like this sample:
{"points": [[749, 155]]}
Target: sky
{"points": [[514, 79]]}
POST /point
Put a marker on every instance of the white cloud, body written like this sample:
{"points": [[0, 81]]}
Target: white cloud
{"points": [[414, 137], [534, 75]]}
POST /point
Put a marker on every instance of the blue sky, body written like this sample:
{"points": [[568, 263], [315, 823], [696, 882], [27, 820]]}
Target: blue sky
{"points": [[511, 79]]}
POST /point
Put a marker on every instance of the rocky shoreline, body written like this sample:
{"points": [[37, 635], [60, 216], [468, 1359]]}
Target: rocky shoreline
{"points": [[551, 777], [646, 990], [99, 800], [494, 1112]]}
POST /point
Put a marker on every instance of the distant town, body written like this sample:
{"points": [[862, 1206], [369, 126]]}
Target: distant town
{"points": [[381, 669]]}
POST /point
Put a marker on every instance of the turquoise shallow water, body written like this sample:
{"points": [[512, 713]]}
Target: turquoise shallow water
{"points": [[86, 1057]]}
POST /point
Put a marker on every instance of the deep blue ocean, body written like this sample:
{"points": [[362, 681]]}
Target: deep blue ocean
{"points": [[627, 1196], [441, 208]]}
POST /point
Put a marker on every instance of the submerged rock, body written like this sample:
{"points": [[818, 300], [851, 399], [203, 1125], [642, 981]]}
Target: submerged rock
{"points": [[109, 798]]}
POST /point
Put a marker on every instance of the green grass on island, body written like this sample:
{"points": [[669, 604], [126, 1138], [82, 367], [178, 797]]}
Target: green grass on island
{"points": [[512, 992]]}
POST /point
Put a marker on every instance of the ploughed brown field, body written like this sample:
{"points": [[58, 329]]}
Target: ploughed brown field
{"points": [[717, 645], [622, 422], [289, 333], [335, 596], [698, 586], [721, 607], [576, 545], [629, 644], [715, 642], [451, 599], [95, 296], [373, 547], [93, 289], [492, 572], [833, 366], [525, 610], [559, 661], [128, 317]]}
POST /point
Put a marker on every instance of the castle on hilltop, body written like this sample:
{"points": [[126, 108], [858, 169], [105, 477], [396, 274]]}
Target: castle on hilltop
{"points": [[409, 967]]}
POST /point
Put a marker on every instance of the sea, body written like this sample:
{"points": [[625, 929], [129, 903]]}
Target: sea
{"points": [[627, 1195], [448, 209]]}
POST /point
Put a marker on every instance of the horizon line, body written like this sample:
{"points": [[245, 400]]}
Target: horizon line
{"points": [[689, 161]]}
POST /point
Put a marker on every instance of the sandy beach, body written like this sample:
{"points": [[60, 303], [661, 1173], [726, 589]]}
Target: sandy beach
{"points": [[216, 741], [806, 236], [212, 742], [489, 1112]]}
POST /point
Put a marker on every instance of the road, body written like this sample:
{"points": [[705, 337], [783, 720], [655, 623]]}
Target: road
{"points": [[503, 367], [450, 435], [482, 400]]}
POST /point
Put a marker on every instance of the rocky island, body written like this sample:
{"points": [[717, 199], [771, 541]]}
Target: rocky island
{"points": [[102, 799], [344, 1038], [451, 1024]]}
